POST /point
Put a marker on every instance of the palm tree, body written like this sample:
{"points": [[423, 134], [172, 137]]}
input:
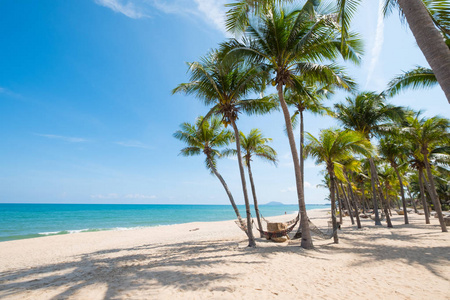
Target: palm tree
{"points": [[204, 137], [368, 114], [308, 98], [429, 133], [428, 21], [419, 77], [394, 152], [255, 144], [286, 42], [333, 146], [225, 84]]}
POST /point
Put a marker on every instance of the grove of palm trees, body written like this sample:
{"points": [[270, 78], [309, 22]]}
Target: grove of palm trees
{"points": [[290, 56]]}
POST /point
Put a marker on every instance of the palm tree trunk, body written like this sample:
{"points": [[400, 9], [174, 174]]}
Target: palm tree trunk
{"points": [[373, 172], [349, 207], [402, 192], [422, 196], [412, 199], [251, 238], [341, 203], [340, 208], [353, 199], [230, 196], [306, 242], [384, 203], [302, 141], [434, 196], [333, 206], [255, 201], [429, 40]]}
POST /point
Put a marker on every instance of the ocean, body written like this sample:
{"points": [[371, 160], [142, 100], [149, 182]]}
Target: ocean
{"points": [[22, 221]]}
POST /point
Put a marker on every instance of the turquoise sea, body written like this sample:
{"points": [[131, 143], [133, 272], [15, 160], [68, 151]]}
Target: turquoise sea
{"points": [[21, 221]]}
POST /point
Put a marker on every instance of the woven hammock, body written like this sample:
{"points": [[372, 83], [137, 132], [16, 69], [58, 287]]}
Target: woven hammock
{"points": [[242, 224], [277, 234], [317, 232], [287, 223]]}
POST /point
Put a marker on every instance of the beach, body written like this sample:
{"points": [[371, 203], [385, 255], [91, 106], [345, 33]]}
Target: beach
{"points": [[210, 260]]}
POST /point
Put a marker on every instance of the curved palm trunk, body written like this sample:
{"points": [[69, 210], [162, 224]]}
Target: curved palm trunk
{"points": [[333, 207], [384, 203], [429, 40], [434, 196], [412, 199], [422, 197], [340, 206], [402, 192], [251, 238], [306, 234], [347, 202], [299, 230], [373, 172], [255, 201], [353, 199], [225, 186]]}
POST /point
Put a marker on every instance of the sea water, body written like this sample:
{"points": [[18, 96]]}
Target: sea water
{"points": [[21, 221]]}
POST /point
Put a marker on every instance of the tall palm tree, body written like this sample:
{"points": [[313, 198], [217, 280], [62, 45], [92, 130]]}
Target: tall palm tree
{"points": [[287, 43], [255, 144], [333, 146], [429, 133], [394, 152], [368, 114], [206, 136], [308, 98], [428, 21], [224, 84]]}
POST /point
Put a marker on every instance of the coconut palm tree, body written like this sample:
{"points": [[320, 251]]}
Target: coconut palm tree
{"points": [[224, 85], [206, 136], [428, 134], [368, 114], [394, 151], [308, 98], [255, 144], [428, 21], [332, 146], [289, 44]]}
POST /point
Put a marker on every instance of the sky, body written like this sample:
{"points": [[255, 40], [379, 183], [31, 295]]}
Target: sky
{"points": [[87, 114]]}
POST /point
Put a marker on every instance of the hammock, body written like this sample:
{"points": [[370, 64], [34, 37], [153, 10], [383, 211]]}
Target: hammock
{"points": [[287, 223], [317, 232], [242, 224], [277, 234]]}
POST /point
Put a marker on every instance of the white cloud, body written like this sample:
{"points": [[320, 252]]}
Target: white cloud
{"points": [[379, 39], [211, 12], [129, 9], [133, 144], [139, 196], [63, 138], [293, 188], [107, 196]]}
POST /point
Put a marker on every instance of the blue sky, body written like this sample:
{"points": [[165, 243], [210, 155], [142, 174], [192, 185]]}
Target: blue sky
{"points": [[87, 115]]}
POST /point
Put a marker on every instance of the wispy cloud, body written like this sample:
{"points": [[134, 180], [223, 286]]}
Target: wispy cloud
{"points": [[106, 196], [134, 144], [379, 39], [128, 8], [211, 12], [117, 196], [139, 196], [293, 188], [69, 139]]}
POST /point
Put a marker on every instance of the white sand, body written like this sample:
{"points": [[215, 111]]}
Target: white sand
{"points": [[213, 262]]}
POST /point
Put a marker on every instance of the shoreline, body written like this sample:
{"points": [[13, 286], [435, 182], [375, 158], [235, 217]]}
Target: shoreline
{"points": [[153, 220], [210, 260]]}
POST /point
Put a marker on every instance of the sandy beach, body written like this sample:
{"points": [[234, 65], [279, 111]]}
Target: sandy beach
{"points": [[211, 261]]}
